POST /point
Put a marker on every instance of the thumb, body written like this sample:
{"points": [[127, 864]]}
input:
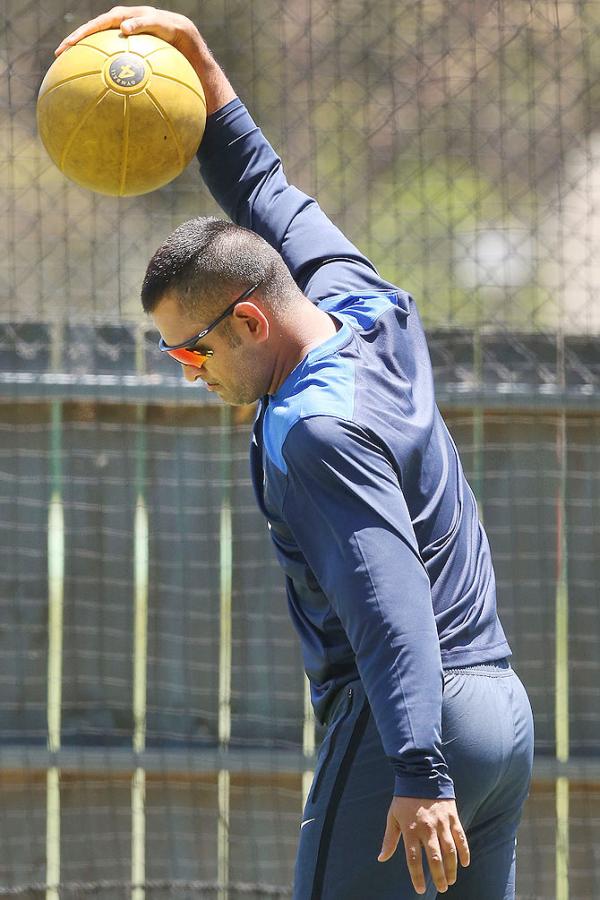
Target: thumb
{"points": [[148, 25], [128, 26], [390, 839]]}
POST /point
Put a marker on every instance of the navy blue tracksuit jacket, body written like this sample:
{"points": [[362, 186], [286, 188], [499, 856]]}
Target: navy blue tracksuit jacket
{"points": [[388, 570]]}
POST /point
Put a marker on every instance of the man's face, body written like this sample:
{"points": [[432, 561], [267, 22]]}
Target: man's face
{"points": [[236, 370]]}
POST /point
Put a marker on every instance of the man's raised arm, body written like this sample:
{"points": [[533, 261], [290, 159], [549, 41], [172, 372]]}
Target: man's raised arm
{"points": [[243, 172], [246, 178]]}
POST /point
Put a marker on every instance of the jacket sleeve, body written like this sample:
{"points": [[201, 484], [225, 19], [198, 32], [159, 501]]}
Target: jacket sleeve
{"points": [[246, 178], [345, 507]]}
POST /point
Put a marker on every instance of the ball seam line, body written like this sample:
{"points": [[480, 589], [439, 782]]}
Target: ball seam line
{"points": [[182, 83], [69, 79], [82, 121], [167, 122], [93, 47], [126, 124]]}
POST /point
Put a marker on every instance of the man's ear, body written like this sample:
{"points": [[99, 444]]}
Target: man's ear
{"points": [[249, 319]]}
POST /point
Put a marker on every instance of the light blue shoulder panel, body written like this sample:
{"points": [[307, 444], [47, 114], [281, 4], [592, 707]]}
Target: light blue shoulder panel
{"points": [[322, 385], [363, 310]]}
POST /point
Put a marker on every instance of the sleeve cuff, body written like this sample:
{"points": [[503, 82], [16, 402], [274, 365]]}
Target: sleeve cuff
{"points": [[432, 787], [223, 126]]}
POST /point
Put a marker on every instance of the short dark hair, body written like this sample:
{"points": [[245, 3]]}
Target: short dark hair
{"points": [[206, 259]]}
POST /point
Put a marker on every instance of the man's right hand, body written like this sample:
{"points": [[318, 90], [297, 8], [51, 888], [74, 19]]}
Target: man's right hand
{"points": [[171, 27]]}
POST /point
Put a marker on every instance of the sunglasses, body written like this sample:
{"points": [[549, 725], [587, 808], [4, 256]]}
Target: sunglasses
{"points": [[186, 353]]}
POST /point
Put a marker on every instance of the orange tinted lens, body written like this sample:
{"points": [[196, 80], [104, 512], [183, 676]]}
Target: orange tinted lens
{"points": [[189, 357]]}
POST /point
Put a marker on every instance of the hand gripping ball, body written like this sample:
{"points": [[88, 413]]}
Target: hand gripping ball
{"points": [[121, 115]]}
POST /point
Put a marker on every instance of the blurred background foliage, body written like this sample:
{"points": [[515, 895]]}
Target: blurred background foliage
{"points": [[458, 144]]}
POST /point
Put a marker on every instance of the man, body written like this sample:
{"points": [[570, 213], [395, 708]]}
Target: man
{"points": [[388, 571]]}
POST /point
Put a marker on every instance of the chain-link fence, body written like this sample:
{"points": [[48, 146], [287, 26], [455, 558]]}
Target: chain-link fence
{"points": [[458, 144]]}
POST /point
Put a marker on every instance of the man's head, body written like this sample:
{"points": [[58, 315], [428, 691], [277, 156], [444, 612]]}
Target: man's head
{"points": [[202, 267]]}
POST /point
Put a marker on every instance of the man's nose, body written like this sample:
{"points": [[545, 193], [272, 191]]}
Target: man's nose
{"points": [[191, 373]]}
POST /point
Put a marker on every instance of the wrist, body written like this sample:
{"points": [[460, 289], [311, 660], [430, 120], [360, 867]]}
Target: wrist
{"points": [[217, 89]]}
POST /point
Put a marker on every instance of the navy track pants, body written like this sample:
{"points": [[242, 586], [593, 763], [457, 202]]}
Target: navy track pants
{"points": [[487, 736]]}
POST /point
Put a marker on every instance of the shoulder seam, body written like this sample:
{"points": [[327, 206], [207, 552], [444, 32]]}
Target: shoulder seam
{"points": [[302, 419]]}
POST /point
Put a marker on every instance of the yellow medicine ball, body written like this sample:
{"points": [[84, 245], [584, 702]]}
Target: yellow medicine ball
{"points": [[121, 115]]}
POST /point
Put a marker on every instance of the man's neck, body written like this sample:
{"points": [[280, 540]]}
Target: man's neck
{"points": [[298, 338]]}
